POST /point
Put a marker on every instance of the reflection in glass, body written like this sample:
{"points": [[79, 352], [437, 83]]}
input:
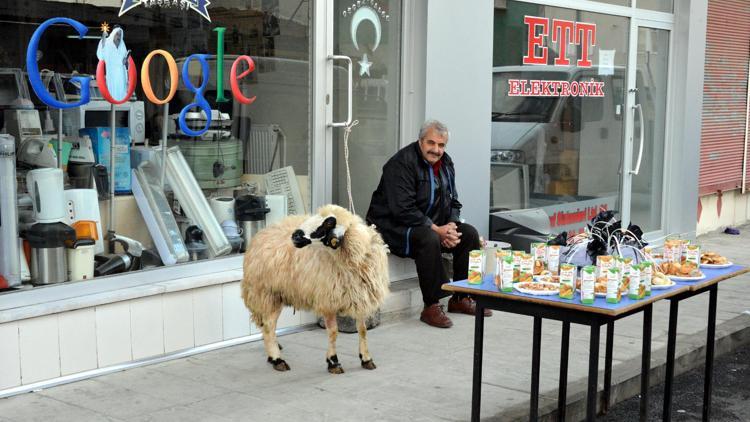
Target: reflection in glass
{"points": [[372, 38], [557, 153], [651, 81], [249, 150]]}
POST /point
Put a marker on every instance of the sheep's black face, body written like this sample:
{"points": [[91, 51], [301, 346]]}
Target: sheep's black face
{"points": [[324, 230], [299, 239]]}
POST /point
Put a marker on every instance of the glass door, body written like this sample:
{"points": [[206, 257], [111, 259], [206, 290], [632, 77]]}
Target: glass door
{"points": [[643, 180], [363, 93]]}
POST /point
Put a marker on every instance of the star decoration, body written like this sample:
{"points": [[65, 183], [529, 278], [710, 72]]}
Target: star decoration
{"points": [[104, 27], [364, 66]]}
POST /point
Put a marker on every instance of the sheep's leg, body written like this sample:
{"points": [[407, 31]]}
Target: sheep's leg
{"points": [[332, 360], [270, 342], [364, 353]]}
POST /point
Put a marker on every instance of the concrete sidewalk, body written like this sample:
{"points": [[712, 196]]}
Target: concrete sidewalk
{"points": [[423, 374]]}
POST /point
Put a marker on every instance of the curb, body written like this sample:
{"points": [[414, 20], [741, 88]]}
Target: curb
{"points": [[626, 380]]}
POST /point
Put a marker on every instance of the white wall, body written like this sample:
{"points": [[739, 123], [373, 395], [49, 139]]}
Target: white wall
{"points": [[686, 106], [458, 92], [734, 211]]}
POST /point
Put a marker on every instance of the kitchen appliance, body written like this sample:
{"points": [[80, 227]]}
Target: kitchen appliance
{"points": [[157, 214], [195, 244], [223, 208], [83, 205], [48, 258], [277, 205], [194, 203], [127, 261], [45, 187], [251, 213], [81, 175], [10, 255], [130, 115], [32, 148], [82, 150], [80, 252]]}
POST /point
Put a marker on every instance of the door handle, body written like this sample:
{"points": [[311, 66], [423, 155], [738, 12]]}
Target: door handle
{"points": [[640, 147], [349, 89]]}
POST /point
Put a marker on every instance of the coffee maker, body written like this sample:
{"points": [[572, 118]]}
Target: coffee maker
{"points": [[251, 213], [48, 236]]}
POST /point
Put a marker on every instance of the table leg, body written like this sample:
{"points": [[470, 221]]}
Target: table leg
{"points": [[645, 362], [671, 345], [608, 365], [535, 364], [476, 390], [593, 372], [562, 395], [710, 338]]}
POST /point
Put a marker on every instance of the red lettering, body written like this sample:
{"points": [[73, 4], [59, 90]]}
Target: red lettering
{"points": [[536, 88], [535, 40], [514, 87], [586, 38], [561, 31]]}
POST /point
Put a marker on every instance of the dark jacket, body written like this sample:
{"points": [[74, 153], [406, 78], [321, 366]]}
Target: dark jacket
{"points": [[409, 195]]}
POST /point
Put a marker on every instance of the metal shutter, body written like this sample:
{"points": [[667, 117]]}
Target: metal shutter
{"points": [[725, 95]]}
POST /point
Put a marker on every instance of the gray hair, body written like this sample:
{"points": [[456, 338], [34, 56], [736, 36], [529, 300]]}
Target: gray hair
{"points": [[437, 126]]}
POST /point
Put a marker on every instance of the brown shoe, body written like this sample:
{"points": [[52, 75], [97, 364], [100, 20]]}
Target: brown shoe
{"points": [[434, 315], [465, 305]]}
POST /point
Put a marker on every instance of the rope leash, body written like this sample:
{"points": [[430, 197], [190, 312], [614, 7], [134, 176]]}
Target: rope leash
{"points": [[347, 132]]}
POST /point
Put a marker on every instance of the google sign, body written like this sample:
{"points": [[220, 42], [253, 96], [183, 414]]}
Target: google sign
{"points": [[198, 101]]}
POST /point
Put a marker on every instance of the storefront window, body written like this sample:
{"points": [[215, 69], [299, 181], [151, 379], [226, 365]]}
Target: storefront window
{"points": [[558, 117], [658, 5], [370, 33], [617, 2], [250, 168]]}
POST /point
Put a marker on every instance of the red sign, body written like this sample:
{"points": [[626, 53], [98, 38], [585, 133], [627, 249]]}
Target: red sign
{"points": [[563, 32]]}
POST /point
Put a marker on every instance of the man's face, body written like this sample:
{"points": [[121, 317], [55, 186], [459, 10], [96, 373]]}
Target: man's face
{"points": [[432, 146], [117, 39]]}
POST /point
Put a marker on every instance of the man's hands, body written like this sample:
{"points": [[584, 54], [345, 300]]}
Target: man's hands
{"points": [[449, 235]]}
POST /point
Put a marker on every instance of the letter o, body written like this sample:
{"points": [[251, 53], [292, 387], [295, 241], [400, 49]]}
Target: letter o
{"points": [[146, 80], [101, 82]]}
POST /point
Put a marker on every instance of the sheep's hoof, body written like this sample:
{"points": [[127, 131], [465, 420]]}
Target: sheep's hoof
{"points": [[334, 366], [279, 364], [368, 364]]}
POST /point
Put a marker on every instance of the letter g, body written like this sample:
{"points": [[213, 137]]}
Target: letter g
{"points": [[33, 69]]}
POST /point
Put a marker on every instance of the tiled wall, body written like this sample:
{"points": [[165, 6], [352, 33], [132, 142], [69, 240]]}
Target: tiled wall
{"points": [[51, 346]]}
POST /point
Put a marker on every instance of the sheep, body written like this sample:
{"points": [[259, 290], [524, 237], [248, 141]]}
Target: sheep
{"points": [[330, 262]]}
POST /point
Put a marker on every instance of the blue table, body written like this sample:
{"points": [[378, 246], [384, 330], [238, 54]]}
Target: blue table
{"points": [[568, 311]]}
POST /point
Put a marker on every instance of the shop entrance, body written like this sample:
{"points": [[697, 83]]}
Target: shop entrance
{"points": [[361, 77]]}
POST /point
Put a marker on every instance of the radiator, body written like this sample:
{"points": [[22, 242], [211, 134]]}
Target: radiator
{"points": [[264, 149]]}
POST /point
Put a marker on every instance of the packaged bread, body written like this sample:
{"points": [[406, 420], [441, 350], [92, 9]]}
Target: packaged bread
{"points": [[517, 266]]}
